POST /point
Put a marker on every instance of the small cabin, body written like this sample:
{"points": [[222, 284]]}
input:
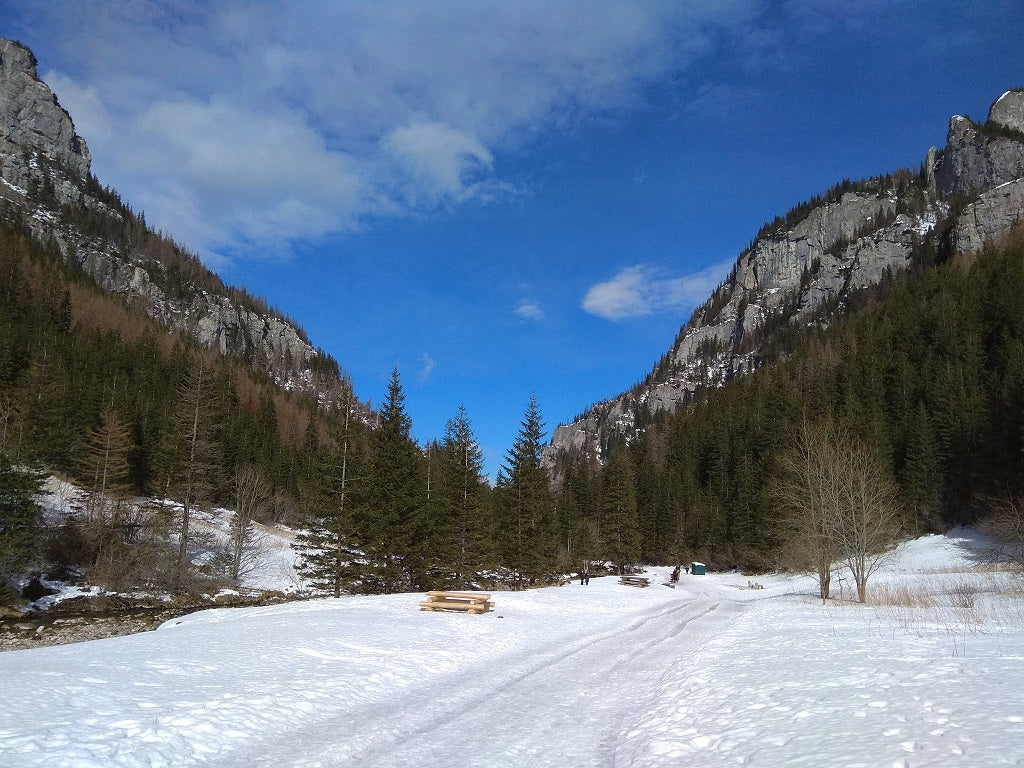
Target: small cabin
{"points": [[698, 569]]}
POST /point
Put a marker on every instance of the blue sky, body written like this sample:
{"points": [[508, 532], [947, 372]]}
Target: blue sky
{"points": [[501, 198]]}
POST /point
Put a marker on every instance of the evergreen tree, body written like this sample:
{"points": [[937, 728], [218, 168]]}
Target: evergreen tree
{"points": [[464, 495], [620, 531], [577, 511], [396, 495], [328, 545], [526, 535], [921, 476], [19, 525]]}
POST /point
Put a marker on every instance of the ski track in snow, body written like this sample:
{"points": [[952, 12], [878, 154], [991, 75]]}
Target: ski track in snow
{"points": [[552, 724], [709, 674]]}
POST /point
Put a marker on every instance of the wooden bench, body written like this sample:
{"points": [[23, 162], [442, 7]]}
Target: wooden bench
{"points": [[469, 602], [634, 581]]}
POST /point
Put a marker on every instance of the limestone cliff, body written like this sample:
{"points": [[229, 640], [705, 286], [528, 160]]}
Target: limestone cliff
{"points": [[847, 239], [47, 187], [32, 120]]}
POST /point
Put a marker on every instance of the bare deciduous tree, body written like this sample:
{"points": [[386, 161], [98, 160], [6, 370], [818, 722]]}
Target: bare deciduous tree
{"points": [[1005, 522], [252, 500], [192, 466], [839, 504], [805, 490], [104, 464], [869, 514]]}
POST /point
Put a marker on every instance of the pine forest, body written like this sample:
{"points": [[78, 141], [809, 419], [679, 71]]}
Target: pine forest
{"points": [[920, 378]]}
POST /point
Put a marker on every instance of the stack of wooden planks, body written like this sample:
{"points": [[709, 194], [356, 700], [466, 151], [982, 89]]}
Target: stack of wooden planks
{"points": [[634, 581], [468, 602]]}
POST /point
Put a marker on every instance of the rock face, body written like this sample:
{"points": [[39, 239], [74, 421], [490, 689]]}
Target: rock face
{"points": [[976, 160], [270, 343], [1008, 110], [30, 116], [38, 143], [990, 217], [848, 240], [45, 164]]}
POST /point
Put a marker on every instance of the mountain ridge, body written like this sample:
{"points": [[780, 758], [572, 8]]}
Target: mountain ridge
{"points": [[47, 187], [846, 239]]}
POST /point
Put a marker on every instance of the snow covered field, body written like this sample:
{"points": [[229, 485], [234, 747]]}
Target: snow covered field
{"points": [[712, 673]]}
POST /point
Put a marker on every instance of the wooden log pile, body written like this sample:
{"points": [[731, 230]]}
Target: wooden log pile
{"points": [[634, 581], [467, 602]]}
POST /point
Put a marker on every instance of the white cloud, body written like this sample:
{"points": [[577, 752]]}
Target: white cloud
{"points": [[439, 161], [241, 178], [529, 310], [625, 295], [251, 123], [426, 368], [640, 290]]}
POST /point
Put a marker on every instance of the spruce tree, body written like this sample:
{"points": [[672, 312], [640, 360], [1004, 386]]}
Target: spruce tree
{"points": [[921, 475], [463, 494], [620, 531], [329, 495], [19, 525], [526, 534], [396, 495], [577, 510]]}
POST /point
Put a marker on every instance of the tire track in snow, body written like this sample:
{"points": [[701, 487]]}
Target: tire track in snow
{"points": [[510, 710]]}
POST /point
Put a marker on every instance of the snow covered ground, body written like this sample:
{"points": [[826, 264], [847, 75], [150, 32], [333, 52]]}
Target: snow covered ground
{"points": [[712, 673]]}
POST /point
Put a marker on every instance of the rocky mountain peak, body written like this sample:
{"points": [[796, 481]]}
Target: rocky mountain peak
{"points": [[1008, 110], [46, 186], [846, 239], [31, 118]]}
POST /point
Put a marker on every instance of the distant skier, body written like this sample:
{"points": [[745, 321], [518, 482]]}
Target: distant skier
{"points": [[675, 575]]}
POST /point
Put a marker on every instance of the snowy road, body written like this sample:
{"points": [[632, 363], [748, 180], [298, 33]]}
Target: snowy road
{"points": [[549, 678], [709, 674], [564, 704]]}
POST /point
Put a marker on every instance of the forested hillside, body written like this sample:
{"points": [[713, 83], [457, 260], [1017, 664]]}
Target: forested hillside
{"points": [[96, 391], [99, 393], [926, 370], [131, 370]]}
